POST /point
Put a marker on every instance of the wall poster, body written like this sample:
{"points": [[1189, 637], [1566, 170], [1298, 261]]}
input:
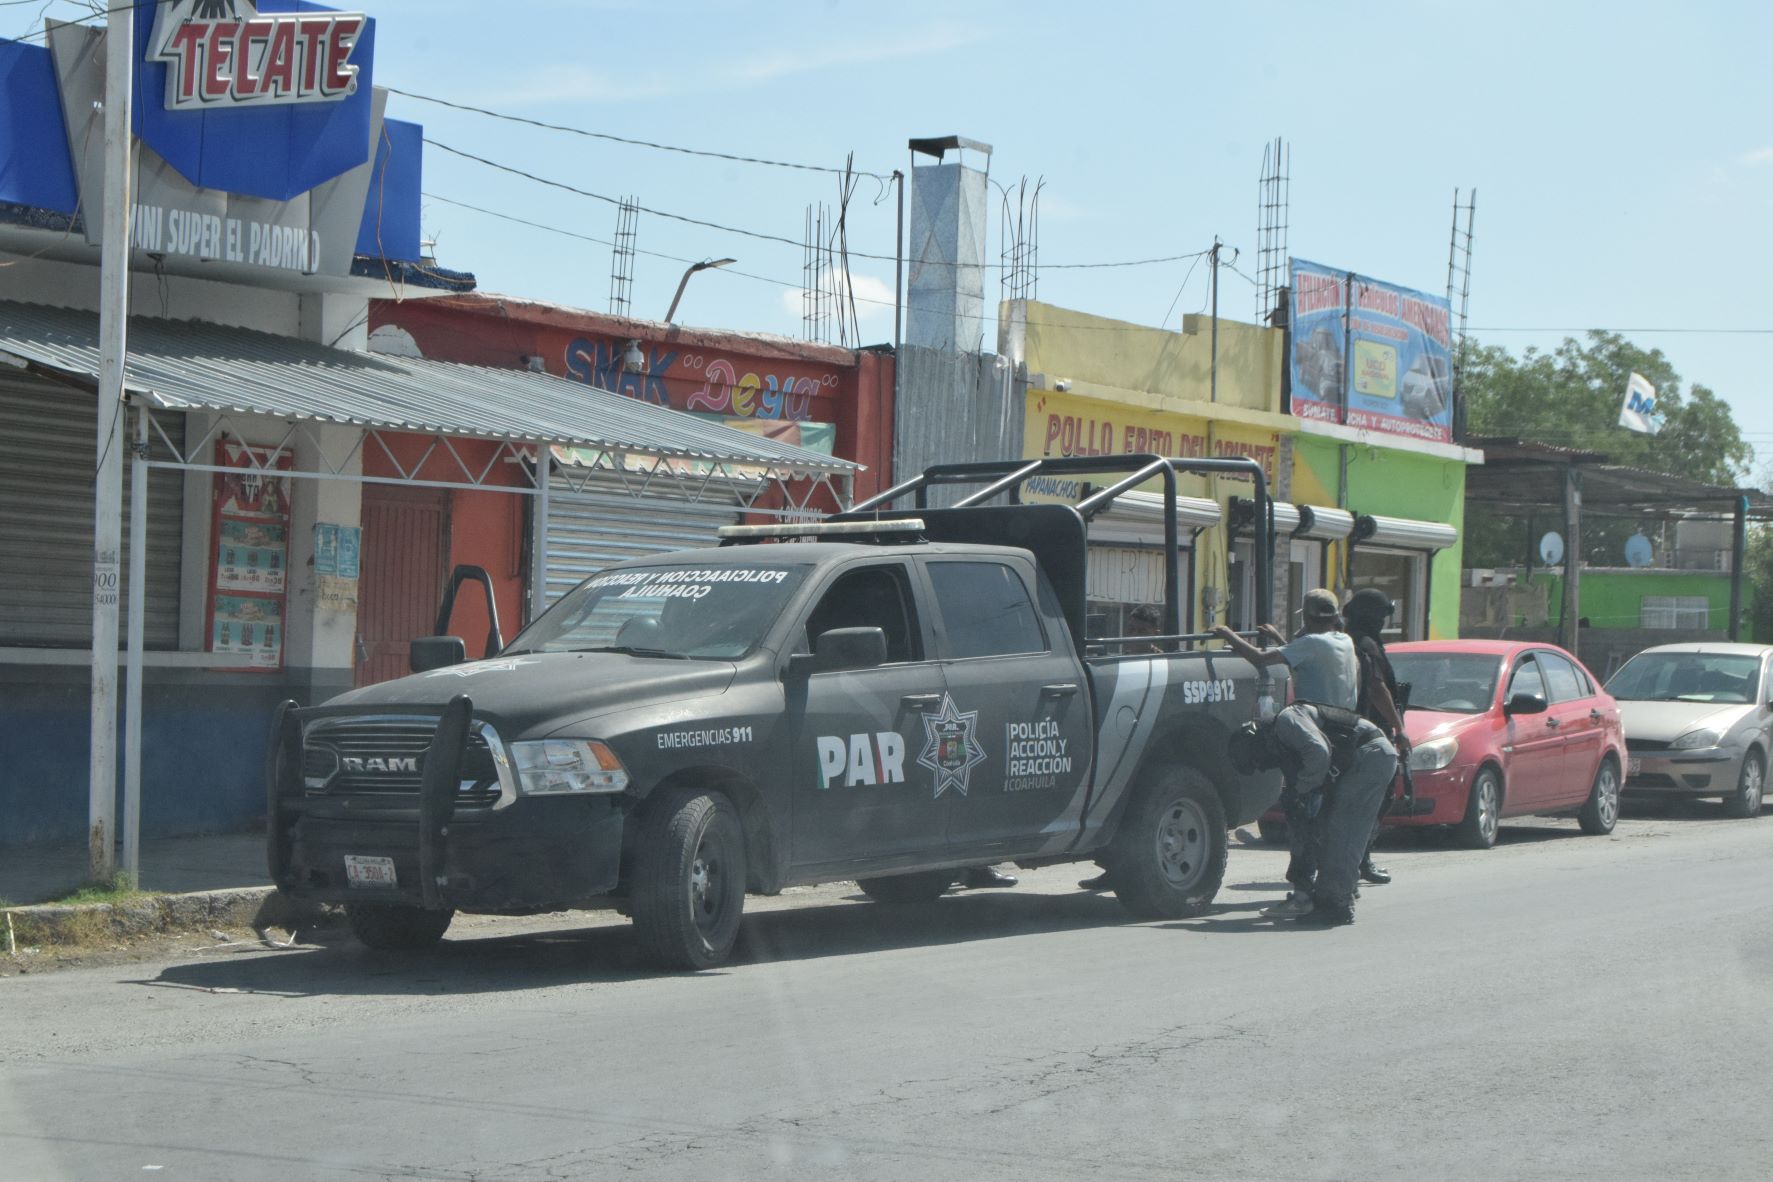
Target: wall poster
{"points": [[249, 562]]}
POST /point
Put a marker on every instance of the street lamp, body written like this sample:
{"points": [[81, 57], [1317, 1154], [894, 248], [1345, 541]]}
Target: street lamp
{"points": [[684, 282]]}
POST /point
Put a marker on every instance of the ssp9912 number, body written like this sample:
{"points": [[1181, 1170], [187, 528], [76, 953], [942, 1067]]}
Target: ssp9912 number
{"points": [[1196, 692]]}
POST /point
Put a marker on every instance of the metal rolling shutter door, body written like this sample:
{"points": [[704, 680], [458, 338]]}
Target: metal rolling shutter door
{"points": [[604, 523], [46, 472]]}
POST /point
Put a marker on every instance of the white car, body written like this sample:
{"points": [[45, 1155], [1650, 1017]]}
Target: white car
{"points": [[1698, 722]]}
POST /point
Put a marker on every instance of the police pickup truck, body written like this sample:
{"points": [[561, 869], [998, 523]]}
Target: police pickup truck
{"points": [[889, 695]]}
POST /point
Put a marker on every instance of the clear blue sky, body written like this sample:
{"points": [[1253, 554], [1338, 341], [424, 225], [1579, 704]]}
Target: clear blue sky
{"points": [[1622, 152]]}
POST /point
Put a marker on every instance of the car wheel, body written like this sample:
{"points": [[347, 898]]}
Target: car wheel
{"points": [[1168, 858], [923, 887], [396, 927], [1751, 785], [1601, 811], [1273, 832], [1483, 811], [689, 879]]}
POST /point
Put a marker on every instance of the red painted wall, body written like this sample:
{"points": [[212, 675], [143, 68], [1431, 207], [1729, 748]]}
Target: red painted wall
{"points": [[737, 375], [485, 528]]}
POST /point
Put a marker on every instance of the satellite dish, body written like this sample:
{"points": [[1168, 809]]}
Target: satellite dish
{"points": [[1639, 551], [1551, 548]]}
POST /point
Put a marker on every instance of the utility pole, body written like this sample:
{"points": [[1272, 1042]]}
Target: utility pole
{"points": [[107, 490], [1213, 366]]}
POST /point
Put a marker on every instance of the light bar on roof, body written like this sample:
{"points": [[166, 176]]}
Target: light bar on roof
{"points": [[824, 529]]}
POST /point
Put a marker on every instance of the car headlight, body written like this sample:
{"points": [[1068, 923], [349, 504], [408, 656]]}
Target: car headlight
{"points": [[1698, 738], [552, 767], [1433, 755]]}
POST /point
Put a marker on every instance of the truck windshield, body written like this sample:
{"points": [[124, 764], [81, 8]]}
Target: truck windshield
{"points": [[715, 613]]}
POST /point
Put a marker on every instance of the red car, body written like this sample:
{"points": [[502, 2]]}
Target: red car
{"points": [[1506, 729], [1500, 729]]}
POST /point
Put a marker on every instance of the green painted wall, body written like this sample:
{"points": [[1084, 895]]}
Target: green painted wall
{"points": [[1393, 483], [1613, 598]]}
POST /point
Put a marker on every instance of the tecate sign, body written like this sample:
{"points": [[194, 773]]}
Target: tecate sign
{"points": [[223, 53]]}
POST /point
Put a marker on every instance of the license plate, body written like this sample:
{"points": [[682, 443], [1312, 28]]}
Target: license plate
{"points": [[369, 872], [1634, 765]]}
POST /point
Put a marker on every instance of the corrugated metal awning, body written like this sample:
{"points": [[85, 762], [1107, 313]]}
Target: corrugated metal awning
{"points": [[191, 365]]}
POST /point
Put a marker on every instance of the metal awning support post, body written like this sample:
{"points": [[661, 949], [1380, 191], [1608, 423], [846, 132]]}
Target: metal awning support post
{"points": [[132, 687], [538, 578], [1738, 544]]}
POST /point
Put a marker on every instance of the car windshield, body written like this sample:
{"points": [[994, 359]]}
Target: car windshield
{"points": [[1687, 677], [714, 613], [1462, 683]]}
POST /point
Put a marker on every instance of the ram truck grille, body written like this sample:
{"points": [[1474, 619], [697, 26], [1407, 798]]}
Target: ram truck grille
{"points": [[386, 758]]}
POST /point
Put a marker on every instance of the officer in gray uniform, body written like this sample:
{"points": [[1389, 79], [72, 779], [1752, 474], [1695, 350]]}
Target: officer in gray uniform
{"points": [[1337, 765]]}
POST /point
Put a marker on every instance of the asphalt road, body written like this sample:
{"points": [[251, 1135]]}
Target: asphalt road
{"points": [[1560, 1007]]}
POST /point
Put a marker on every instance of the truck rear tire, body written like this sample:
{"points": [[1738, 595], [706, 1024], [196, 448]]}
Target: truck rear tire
{"points": [[923, 887], [396, 927], [1168, 858], [689, 879]]}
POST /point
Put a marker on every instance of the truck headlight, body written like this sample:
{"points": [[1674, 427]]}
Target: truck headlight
{"points": [[553, 767], [1698, 738], [1433, 755]]}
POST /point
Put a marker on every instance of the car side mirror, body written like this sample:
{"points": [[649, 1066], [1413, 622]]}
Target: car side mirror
{"points": [[1525, 704], [435, 652], [841, 648]]}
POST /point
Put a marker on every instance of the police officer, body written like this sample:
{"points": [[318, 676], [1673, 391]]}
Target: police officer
{"points": [[1366, 612], [1338, 765], [1321, 658]]}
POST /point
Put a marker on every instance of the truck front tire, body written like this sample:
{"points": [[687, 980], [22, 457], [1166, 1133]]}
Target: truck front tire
{"points": [[396, 927], [1168, 858], [689, 879]]}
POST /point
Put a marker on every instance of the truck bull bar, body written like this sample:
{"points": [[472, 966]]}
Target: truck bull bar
{"points": [[438, 778]]}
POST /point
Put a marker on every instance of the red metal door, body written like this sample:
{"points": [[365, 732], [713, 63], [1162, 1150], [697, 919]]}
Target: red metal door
{"points": [[405, 563]]}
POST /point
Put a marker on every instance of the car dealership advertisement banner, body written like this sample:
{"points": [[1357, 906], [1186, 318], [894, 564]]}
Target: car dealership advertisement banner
{"points": [[1397, 374]]}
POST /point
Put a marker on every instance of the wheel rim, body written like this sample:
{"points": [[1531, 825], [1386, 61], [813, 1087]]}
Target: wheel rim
{"points": [[708, 887], [1753, 783], [1181, 843], [1606, 795], [1487, 820]]}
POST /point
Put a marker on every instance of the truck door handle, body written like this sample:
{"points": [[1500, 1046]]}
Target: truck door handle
{"points": [[916, 700], [1063, 689], [1551, 723], [1594, 716]]}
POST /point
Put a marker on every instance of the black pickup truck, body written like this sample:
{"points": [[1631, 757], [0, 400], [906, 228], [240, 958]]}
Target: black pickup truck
{"points": [[890, 696]]}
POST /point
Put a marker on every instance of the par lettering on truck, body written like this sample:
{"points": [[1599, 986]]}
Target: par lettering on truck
{"points": [[861, 759]]}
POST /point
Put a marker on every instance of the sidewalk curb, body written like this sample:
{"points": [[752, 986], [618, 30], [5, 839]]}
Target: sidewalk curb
{"points": [[65, 925]]}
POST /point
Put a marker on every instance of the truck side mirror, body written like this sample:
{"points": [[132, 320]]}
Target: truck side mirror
{"points": [[436, 652], [842, 648]]}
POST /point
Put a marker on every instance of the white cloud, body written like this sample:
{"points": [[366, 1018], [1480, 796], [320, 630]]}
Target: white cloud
{"points": [[1758, 156], [874, 297]]}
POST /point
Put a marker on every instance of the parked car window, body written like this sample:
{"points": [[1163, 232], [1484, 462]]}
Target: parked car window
{"points": [[1687, 677], [870, 597], [1560, 678], [986, 610], [1462, 683], [1526, 680]]}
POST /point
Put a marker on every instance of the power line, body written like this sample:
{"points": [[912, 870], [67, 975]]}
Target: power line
{"points": [[622, 139], [759, 234]]}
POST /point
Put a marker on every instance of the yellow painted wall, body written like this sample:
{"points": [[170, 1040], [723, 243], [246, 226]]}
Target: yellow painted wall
{"points": [[1123, 362]]}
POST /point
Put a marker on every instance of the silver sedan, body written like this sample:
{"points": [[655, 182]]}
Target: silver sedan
{"points": [[1698, 722]]}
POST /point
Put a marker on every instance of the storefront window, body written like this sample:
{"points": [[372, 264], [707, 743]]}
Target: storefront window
{"points": [[1399, 576]]}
